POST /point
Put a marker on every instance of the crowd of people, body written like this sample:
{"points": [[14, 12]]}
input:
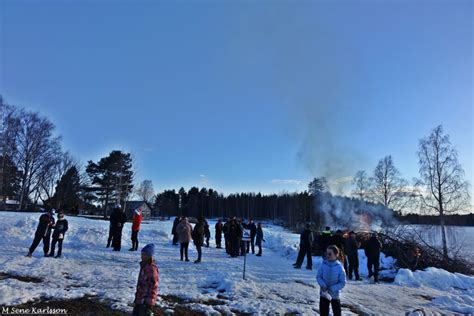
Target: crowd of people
{"points": [[348, 245], [339, 251], [240, 237]]}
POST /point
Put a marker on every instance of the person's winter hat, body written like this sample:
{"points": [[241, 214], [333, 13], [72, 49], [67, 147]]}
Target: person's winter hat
{"points": [[149, 250], [137, 211], [118, 205], [52, 211]]}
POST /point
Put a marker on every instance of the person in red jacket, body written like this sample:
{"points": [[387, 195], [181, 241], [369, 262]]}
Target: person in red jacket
{"points": [[137, 219], [147, 285]]}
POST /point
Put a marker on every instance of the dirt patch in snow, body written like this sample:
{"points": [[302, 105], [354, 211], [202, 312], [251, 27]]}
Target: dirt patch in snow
{"points": [[4, 276]]}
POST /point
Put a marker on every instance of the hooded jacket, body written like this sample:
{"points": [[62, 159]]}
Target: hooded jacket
{"points": [[147, 285], [198, 233], [184, 229], [331, 276]]}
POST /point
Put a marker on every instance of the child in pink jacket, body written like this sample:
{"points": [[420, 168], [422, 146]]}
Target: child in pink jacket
{"points": [[147, 285]]}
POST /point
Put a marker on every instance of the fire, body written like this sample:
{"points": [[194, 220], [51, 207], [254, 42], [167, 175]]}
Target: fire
{"points": [[365, 221]]}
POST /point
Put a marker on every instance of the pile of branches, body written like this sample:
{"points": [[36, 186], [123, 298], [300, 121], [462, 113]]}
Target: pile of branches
{"points": [[413, 253]]}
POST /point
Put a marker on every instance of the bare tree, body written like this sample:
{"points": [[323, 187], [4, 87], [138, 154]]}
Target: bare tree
{"points": [[361, 184], [442, 178], [36, 150], [145, 190], [388, 187], [52, 172]]}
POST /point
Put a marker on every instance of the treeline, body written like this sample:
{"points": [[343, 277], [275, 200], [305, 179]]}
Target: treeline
{"points": [[454, 219], [294, 207]]}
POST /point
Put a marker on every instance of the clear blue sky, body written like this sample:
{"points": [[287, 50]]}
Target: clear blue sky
{"points": [[244, 96]]}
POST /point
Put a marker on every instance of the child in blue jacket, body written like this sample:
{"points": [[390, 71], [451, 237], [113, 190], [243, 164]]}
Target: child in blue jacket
{"points": [[331, 279]]}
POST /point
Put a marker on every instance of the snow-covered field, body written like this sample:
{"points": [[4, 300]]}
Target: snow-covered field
{"points": [[215, 286]]}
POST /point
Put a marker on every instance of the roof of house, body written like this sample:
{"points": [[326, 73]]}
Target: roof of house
{"points": [[132, 205]]}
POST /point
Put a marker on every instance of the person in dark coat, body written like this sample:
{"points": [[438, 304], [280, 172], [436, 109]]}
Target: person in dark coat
{"points": [[226, 230], [117, 219], [198, 237], [253, 232], [219, 228], [259, 236], [325, 240], [306, 244], [60, 229], [177, 220], [351, 246], [207, 232], [235, 234], [43, 232], [373, 248]]}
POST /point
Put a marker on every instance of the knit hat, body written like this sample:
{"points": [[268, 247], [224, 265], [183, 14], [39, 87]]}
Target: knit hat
{"points": [[149, 250]]}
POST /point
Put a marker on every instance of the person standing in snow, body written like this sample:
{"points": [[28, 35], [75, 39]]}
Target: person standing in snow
{"points": [[331, 279], [184, 230], [225, 231], [137, 220], [253, 231], [219, 233], [176, 222], [306, 245], [198, 237], [60, 229], [117, 219], [43, 232], [235, 233], [147, 285], [373, 248], [352, 246], [259, 235]]}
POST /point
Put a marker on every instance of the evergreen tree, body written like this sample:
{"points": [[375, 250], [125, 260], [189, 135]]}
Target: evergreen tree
{"points": [[10, 178], [112, 176], [68, 189]]}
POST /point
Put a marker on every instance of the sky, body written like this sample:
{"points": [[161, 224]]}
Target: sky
{"points": [[243, 95]]}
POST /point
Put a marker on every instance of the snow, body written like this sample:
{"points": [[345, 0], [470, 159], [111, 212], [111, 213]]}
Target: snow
{"points": [[215, 286]]}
